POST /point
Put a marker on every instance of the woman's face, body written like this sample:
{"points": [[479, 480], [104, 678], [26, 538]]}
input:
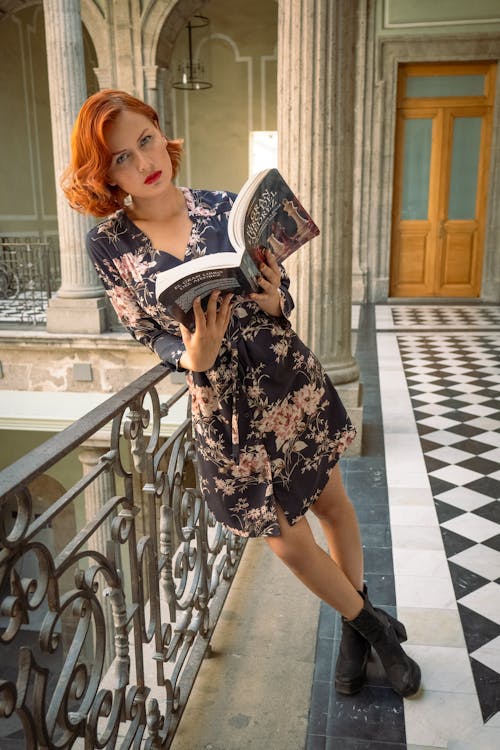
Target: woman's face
{"points": [[140, 163]]}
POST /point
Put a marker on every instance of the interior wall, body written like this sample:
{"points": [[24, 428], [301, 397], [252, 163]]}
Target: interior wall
{"points": [[215, 123], [15, 444], [27, 191], [27, 197]]}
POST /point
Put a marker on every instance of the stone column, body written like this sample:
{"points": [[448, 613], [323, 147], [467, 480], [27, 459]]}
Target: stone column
{"points": [[316, 63], [316, 93], [79, 306], [96, 495]]}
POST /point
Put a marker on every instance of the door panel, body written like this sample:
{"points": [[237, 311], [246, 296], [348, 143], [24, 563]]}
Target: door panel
{"points": [[414, 226], [440, 180], [417, 148], [465, 149], [458, 259], [414, 270]]}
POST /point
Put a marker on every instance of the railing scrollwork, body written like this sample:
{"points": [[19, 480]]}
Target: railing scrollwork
{"points": [[102, 633]]}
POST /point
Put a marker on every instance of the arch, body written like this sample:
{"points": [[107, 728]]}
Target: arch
{"points": [[98, 28], [8, 7], [161, 23]]}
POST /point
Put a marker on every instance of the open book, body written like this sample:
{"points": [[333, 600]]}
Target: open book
{"points": [[265, 214]]}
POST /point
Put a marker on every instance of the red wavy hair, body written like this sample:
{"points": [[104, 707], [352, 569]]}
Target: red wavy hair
{"points": [[84, 182]]}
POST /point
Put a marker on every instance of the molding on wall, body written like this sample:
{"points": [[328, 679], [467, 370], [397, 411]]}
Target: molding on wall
{"points": [[238, 58], [264, 60], [388, 24]]}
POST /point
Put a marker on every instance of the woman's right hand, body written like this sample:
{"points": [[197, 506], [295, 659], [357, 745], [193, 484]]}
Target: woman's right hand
{"points": [[203, 344]]}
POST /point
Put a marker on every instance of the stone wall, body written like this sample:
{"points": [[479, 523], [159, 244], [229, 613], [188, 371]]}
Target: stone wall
{"points": [[106, 363]]}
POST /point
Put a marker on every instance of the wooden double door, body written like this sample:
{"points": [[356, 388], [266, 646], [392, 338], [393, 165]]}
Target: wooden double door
{"points": [[442, 156]]}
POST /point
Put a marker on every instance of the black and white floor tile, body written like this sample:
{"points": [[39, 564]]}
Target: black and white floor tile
{"points": [[26, 308], [428, 499], [437, 317], [454, 384], [441, 412]]}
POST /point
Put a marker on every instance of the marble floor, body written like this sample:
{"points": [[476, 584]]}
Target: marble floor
{"points": [[427, 493]]}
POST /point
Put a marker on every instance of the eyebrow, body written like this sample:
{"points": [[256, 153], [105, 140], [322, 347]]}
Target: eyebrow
{"points": [[122, 150]]}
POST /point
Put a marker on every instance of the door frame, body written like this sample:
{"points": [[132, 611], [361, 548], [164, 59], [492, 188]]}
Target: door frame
{"points": [[442, 111], [377, 123]]}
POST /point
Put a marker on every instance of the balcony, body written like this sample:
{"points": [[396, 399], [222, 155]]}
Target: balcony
{"points": [[110, 594], [30, 273]]}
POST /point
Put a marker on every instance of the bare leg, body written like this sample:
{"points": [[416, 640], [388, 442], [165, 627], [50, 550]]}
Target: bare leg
{"points": [[340, 527], [298, 549]]}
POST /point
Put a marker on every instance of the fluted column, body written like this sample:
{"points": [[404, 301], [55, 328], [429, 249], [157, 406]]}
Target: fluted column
{"points": [[79, 305], [316, 63]]}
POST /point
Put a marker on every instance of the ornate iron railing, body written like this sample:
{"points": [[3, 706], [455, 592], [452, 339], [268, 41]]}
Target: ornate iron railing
{"points": [[103, 631], [29, 274]]}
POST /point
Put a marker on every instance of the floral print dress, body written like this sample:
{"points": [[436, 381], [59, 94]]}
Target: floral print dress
{"points": [[269, 424]]}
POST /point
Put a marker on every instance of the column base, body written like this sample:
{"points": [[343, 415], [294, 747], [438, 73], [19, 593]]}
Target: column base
{"points": [[77, 315], [343, 372]]}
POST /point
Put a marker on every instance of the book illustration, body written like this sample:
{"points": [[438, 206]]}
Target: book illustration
{"points": [[283, 244], [275, 218], [265, 214]]}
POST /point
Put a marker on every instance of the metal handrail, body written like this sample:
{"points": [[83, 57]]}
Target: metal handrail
{"points": [[102, 630], [30, 273]]}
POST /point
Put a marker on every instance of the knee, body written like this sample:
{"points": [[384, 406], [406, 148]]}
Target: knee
{"points": [[333, 510], [286, 550]]}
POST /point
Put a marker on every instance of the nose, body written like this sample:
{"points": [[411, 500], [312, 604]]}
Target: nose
{"points": [[141, 162]]}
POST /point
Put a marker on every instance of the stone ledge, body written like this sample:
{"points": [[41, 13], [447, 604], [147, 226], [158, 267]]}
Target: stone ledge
{"points": [[41, 338]]}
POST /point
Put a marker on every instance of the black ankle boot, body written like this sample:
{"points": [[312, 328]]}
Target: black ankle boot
{"points": [[354, 652], [384, 633], [350, 670]]}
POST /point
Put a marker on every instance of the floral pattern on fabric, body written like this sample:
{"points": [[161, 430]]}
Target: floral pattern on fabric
{"points": [[269, 424]]}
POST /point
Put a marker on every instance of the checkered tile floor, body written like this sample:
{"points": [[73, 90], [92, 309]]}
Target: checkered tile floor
{"points": [[454, 385], [27, 307], [437, 317], [426, 490], [442, 317]]}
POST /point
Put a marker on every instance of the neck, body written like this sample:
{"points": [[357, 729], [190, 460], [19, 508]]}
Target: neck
{"points": [[161, 208]]}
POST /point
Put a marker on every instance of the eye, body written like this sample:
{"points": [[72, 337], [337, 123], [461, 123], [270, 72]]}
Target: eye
{"points": [[121, 158], [145, 140]]}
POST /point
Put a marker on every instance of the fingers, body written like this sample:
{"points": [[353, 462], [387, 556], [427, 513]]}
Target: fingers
{"points": [[204, 343], [211, 314], [226, 309], [270, 271], [272, 262], [199, 315], [216, 315]]}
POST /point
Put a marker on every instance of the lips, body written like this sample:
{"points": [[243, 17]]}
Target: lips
{"points": [[153, 177]]}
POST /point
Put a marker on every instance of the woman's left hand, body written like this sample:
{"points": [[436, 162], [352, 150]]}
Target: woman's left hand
{"points": [[269, 281]]}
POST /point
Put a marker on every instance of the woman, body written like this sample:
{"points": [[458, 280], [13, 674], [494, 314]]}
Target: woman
{"points": [[270, 427]]}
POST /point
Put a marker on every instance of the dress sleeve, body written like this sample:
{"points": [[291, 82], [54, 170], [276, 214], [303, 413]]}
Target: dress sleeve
{"points": [[287, 303], [168, 345]]}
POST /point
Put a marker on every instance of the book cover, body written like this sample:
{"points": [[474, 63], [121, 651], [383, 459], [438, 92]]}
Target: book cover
{"points": [[265, 214], [178, 287], [268, 214]]}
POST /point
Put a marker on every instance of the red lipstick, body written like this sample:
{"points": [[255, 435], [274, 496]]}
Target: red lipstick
{"points": [[153, 177]]}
